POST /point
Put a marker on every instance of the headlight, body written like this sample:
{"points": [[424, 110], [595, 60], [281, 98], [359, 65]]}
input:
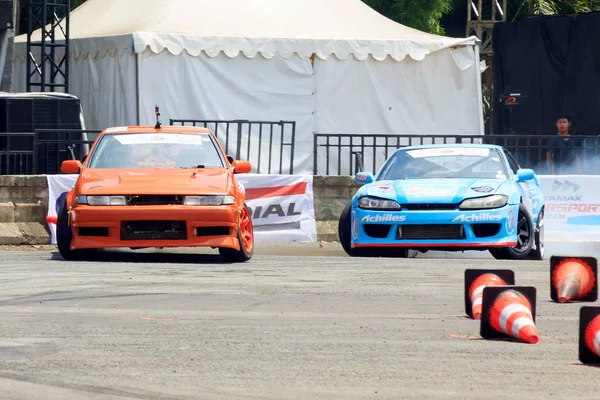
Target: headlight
{"points": [[208, 200], [378, 204], [495, 201], [101, 200]]}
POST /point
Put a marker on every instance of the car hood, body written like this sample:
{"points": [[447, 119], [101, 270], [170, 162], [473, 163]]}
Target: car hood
{"points": [[154, 181], [451, 191]]}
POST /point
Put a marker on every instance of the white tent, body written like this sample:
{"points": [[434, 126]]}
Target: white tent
{"points": [[333, 66]]}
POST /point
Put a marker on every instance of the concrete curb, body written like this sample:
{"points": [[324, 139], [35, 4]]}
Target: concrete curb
{"points": [[23, 233]]}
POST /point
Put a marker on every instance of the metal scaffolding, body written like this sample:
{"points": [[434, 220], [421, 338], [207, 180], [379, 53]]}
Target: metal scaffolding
{"points": [[481, 19], [45, 71]]}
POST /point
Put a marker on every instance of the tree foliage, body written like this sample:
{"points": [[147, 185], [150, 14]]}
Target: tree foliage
{"points": [[523, 9], [76, 3], [424, 15]]}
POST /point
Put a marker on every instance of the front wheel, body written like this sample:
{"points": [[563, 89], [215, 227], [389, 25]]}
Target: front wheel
{"points": [[345, 227], [64, 237], [246, 239], [345, 231], [525, 238]]}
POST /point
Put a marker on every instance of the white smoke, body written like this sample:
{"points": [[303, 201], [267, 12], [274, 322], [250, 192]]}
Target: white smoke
{"points": [[589, 159]]}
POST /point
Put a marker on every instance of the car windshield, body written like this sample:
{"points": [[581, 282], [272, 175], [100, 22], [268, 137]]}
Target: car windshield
{"points": [[156, 150], [444, 162]]}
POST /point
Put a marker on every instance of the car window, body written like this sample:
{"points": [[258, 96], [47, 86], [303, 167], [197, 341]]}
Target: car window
{"points": [[156, 150], [444, 162], [514, 166]]}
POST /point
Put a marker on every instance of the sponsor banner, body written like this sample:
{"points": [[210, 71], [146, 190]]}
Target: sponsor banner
{"points": [[478, 217], [281, 206], [383, 218], [572, 207]]}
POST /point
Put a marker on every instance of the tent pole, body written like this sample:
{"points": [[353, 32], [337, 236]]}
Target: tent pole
{"points": [[476, 48], [138, 59]]}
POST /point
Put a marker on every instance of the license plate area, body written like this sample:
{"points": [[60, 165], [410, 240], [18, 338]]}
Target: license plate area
{"points": [[437, 231], [153, 230]]}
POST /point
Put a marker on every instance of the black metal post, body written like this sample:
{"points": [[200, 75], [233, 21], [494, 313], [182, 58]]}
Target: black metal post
{"points": [[39, 12]]}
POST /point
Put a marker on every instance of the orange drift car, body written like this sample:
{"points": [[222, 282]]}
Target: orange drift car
{"points": [[156, 187]]}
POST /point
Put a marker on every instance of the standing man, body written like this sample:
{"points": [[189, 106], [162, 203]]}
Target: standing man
{"points": [[562, 154]]}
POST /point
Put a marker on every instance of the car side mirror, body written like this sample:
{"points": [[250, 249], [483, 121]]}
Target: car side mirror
{"points": [[525, 174], [241, 167], [70, 166], [364, 177]]}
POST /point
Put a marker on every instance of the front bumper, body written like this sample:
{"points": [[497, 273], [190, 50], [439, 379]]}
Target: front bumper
{"points": [[154, 226], [435, 228]]}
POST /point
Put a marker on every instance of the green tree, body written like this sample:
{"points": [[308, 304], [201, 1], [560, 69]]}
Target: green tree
{"points": [[523, 9], [424, 15], [76, 3]]}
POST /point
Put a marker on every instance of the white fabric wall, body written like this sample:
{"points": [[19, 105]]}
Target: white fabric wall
{"points": [[437, 95], [105, 84], [223, 88], [7, 37]]}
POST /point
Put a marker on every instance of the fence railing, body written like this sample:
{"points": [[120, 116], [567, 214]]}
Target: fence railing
{"points": [[42, 152], [17, 153], [57, 145], [346, 154], [268, 145]]}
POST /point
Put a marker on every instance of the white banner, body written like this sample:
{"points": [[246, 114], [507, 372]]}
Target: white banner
{"points": [[572, 207], [281, 206]]}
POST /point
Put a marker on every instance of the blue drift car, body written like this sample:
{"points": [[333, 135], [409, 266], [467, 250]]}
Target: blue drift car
{"points": [[446, 197]]}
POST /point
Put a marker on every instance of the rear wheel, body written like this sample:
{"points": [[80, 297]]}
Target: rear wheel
{"points": [[64, 237], [525, 238], [246, 239]]}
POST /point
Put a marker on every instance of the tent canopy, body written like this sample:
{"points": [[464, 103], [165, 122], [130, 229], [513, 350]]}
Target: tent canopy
{"points": [[342, 28]]}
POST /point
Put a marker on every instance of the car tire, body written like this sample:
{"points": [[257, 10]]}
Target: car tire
{"points": [[64, 237], [538, 252], [525, 234], [345, 232], [246, 239]]}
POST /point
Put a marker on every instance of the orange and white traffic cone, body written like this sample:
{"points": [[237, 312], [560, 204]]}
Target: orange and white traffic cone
{"points": [[509, 312], [573, 278], [589, 335], [476, 280]]}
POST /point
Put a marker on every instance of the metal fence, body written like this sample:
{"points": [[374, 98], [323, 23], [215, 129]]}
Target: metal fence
{"points": [[268, 145], [42, 152], [346, 154], [17, 153], [57, 145]]}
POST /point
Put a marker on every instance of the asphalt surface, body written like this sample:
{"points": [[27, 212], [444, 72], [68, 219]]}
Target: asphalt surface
{"points": [[296, 322]]}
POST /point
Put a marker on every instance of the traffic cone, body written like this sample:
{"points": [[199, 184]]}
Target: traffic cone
{"points": [[589, 335], [476, 280], [509, 312], [573, 278]]}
